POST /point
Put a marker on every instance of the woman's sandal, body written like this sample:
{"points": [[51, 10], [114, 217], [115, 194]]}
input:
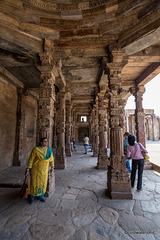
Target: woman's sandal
{"points": [[31, 201], [43, 200]]}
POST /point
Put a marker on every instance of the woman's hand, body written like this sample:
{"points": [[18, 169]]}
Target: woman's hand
{"points": [[27, 172], [52, 169]]}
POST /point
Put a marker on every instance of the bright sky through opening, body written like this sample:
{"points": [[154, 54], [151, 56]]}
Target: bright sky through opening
{"points": [[151, 97]]}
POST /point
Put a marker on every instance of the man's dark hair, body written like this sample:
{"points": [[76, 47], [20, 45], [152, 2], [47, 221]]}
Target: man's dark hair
{"points": [[41, 140], [131, 140], [126, 133], [85, 135]]}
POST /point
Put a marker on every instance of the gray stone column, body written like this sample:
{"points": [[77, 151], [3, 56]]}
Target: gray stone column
{"points": [[68, 126], [60, 158], [118, 181]]}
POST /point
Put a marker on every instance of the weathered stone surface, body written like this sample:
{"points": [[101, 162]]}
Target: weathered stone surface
{"points": [[69, 196], [157, 188], [69, 204], [101, 227], [58, 217], [125, 205], [39, 230], [119, 233], [131, 224], [86, 194], [84, 220], [109, 215], [59, 232], [86, 206], [149, 206], [142, 236], [79, 235], [96, 236], [137, 210], [16, 220], [73, 191]]}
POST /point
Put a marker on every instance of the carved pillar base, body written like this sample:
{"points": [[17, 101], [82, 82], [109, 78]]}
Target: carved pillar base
{"points": [[119, 185], [68, 150], [103, 161], [60, 159], [51, 184]]}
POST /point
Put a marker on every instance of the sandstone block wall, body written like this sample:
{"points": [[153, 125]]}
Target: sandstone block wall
{"points": [[8, 108], [30, 127]]}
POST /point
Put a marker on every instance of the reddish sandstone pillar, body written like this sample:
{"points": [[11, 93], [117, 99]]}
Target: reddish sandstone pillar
{"points": [[60, 158], [140, 115], [118, 181], [103, 161]]}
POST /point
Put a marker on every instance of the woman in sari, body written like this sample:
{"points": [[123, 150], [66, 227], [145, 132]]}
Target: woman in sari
{"points": [[38, 165]]}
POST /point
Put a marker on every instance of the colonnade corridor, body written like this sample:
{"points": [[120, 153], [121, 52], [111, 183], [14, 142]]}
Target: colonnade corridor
{"points": [[79, 209]]}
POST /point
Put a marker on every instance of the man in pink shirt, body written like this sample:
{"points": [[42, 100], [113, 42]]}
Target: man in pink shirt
{"points": [[134, 150]]}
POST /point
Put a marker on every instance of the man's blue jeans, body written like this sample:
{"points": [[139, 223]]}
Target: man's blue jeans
{"points": [[86, 148]]}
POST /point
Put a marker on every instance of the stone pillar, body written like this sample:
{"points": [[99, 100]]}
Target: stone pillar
{"points": [[68, 126], [46, 114], [60, 158], [119, 186], [96, 131], [93, 130], [19, 128], [103, 161], [74, 126], [140, 115], [46, 104]]}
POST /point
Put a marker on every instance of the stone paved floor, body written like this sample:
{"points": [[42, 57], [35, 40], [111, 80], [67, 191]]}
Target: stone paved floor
{"points": [[79, 209]]}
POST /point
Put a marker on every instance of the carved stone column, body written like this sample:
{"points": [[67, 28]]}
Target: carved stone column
{"points": [[68, 126], [96, 129], [140, 115], [60, 158], [74, 126], [19, 128], [46, 104], [119, 185], [103, 161], [93, 130]]}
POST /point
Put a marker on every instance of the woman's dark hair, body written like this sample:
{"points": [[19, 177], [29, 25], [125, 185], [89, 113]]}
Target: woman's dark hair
{"points": [[131, 140], [41, 140]]}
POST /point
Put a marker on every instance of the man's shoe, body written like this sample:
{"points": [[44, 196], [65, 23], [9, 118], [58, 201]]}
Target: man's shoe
{"points": [[139, 189]]}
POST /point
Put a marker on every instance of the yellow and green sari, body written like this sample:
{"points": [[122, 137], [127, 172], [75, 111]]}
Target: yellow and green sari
{"points": [[38, 164]]}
